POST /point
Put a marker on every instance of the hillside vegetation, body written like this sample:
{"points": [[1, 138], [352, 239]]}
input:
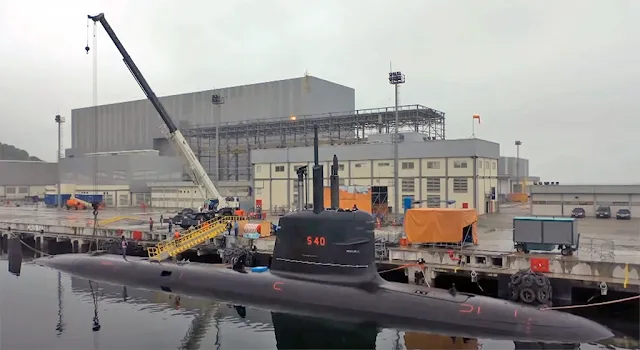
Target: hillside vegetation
{"points": [[10, 152]]}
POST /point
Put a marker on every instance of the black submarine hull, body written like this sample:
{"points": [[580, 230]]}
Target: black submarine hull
{"points": [[395, 305]]}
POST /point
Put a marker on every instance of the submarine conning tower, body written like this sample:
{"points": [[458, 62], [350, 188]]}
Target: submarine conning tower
{"points": [[329, 246]]}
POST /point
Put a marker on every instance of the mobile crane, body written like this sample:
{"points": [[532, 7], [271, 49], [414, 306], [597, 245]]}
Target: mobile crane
{"points": [[218, 205]]}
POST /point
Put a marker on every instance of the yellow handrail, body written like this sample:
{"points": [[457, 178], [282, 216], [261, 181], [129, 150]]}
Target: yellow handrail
{"points": [[191, 237]]}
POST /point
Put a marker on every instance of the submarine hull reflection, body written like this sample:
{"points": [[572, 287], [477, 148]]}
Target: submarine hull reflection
{"points": [[392, 305]]}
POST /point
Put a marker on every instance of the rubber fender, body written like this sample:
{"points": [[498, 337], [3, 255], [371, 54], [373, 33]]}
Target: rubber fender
{"points": [[543, 296], [259, 269], [527, 280], [516, 278], [527, 295], [513, 294], [541, 281]]}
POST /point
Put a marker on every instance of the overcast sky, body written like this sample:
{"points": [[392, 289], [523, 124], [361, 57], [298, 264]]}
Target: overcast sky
{"points": [[561, 76]]}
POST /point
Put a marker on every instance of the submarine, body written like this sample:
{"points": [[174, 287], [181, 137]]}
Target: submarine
{"points": [[324, 265]]}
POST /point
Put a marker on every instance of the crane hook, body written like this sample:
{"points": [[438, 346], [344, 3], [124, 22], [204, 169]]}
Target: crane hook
{"points": [[86, 48]]}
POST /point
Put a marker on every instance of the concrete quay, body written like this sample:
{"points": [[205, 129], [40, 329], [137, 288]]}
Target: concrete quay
{"points": [[45, 225]]}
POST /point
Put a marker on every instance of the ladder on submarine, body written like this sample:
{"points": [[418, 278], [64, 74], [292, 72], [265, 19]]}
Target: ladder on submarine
{"points": [[191, 238]]}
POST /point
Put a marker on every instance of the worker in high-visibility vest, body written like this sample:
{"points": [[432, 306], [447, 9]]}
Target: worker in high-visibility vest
{"points": [[176, 235]]}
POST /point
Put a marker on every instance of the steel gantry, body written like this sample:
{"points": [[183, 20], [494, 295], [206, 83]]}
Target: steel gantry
{"points": [[239, 138]]}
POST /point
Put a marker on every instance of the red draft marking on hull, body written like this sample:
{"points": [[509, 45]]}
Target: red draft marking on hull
{"points": [[466, 308]]}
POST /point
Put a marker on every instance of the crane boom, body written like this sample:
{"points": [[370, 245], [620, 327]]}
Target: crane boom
{"points": [[196, 170]]}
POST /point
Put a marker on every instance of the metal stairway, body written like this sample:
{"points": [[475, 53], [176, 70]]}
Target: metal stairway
{"points": [[190, 238]]}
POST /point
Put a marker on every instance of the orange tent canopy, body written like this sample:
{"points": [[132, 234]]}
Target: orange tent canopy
{"points": [[440, 225]]}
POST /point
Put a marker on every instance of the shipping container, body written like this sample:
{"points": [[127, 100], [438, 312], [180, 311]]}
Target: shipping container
{"points": [[90, 198], [51, 200]]}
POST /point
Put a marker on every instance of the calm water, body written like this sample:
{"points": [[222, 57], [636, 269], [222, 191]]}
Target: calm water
{"points": [[45, 309]]}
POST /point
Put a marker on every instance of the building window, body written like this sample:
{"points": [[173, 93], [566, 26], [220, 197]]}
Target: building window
{"points": [[11, 190], [383, 164], [433, 165], [23, 190], [408, 185], [341, 167], [279, 169], [479, 164], [460, 185], [360, 165], [407, 165], [486, 164], [433, 201], [462, 164], [258, 168], [493, 165], [433, 184]]}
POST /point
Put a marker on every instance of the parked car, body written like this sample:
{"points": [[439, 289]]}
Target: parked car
{"points": [[623, 214], [603, 212], [578, 213]]}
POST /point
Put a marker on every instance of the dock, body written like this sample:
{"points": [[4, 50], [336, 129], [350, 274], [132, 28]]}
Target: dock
{"points": [[608, 258]]}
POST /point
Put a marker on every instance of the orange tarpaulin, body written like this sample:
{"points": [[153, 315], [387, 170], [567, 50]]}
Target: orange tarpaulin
{"points": [[440, 225], [350, 195]]}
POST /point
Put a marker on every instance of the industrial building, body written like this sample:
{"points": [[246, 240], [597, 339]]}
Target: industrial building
{"points": [[560, 200], [21, 179], [119, 148], [513, 176], [435, 171], [233, 118]]}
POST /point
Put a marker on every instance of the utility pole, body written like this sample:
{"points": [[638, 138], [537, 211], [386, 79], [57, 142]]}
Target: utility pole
{"points": [[395, 79], [59, 120], [518, 144], [217, 102]]}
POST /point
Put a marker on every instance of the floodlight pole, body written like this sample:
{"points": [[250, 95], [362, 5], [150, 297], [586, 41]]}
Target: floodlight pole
{"points": [[518, 144], [395, 79], [217, 102], [59, 120]]}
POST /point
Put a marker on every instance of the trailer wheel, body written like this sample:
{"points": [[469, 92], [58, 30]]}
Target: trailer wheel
{"points": [[566, 252], [519, 249]]}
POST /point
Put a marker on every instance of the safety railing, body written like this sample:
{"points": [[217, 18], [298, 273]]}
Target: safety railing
{"points": [[191, 238]]}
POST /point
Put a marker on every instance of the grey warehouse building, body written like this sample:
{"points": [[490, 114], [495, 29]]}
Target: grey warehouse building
{"points": [[20, 179], [560, 200], [135, 125]]}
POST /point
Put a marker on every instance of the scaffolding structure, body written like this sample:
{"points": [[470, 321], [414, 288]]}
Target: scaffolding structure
{"points": [[233, 162]]}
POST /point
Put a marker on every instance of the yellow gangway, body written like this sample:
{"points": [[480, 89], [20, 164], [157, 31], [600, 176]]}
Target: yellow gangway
{"points": [[191, 238]]}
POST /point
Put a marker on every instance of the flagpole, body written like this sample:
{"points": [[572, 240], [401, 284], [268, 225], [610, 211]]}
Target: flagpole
{"points": [[473, 128], [473, 124]]}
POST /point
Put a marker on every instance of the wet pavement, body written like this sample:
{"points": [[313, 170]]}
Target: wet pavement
{"points": [[600, 239]]}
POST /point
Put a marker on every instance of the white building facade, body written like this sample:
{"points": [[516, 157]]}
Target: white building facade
{"points": [[464, 171], [560, 200]]}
